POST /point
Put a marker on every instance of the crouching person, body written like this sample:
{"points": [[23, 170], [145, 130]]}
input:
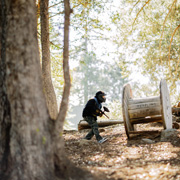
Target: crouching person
{"points": [[90, 113]]}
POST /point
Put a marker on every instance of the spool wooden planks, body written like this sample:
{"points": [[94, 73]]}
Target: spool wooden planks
{"points": [[146, 110]]}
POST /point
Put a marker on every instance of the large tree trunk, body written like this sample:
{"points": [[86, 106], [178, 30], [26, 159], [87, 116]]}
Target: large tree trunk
{"points": [[31, 147], [26, 151], [46, 61]]}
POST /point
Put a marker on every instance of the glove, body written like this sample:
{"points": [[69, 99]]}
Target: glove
{"points": [[100, 114]]}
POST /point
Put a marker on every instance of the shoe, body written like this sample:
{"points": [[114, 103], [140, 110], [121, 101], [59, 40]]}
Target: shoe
{"points": [[102, 140]]}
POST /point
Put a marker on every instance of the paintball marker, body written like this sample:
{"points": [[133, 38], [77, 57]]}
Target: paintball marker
{"points": [[105, 110]]}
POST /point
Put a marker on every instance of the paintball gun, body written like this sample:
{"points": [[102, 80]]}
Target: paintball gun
{"points": [[105, 110]]}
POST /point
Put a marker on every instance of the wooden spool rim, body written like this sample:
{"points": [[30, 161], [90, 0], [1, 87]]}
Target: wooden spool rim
{"points": [[166, 105], [166, 111], [127, 94]]}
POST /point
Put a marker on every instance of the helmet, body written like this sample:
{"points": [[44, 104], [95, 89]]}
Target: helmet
{"points": [[100, 95]]}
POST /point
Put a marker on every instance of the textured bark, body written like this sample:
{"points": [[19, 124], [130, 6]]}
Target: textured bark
{"points": [[29, 141], [63, 167], [46, 61], [67, 84], [27, 152], [5, 119], [58, 141], [101, 123]]}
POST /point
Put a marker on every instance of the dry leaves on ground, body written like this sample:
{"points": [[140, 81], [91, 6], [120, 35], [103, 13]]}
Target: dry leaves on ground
{"points": [[122, 158]]}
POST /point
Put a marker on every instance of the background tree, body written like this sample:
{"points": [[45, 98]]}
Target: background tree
{"points": [[90, 29], [94, 74], [46, 61]]}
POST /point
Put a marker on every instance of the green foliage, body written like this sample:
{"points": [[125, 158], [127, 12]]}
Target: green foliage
{"points": [[87, 25], [115, 108], [57, 73], [146, 30]]}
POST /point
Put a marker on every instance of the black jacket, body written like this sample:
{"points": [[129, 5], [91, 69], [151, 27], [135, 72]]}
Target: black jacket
{"points": [[91, 109]]}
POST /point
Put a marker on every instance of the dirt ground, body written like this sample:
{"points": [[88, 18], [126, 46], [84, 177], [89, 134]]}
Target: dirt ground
{"points": [[143, 156]]}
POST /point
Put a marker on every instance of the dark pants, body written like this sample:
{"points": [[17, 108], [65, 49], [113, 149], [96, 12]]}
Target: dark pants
{"points": [[94, 128]]}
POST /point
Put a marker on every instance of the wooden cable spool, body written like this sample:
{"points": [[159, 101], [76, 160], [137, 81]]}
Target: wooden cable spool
{"points": [[146, 110]]}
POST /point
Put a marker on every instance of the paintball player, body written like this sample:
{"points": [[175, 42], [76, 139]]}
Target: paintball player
{"points": [[90, 112]]}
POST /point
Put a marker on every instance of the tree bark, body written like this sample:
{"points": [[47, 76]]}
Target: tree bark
{"points": [[63, 167], [101, 123], [27, 154], [5, 118], [46, 61], [67, 84], [31, 143]]}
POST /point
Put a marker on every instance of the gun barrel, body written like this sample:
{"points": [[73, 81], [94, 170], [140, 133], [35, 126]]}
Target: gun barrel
{"points": [[103, 112], [106, 115]]}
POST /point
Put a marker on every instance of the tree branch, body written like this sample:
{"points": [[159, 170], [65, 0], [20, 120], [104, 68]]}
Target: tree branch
{"points": [[55, 4], [171, 43], [163, 29], [135, 6], [56, 14], [140, 11]]}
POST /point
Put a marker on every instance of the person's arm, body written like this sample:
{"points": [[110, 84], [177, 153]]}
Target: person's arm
{"points": [[92, 107]]}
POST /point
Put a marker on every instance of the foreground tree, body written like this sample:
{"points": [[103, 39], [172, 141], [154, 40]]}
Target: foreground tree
{"points": [[23, 151], [31, 143]]}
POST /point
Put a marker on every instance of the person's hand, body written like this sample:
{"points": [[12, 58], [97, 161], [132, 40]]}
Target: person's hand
{"points": [[100, 114]]}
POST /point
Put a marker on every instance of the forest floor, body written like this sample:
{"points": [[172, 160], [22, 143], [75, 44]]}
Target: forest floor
{"points": [[143, 156]]}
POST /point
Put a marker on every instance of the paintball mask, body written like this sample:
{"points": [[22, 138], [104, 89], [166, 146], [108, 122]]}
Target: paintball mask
{"points": [[101, 96]]}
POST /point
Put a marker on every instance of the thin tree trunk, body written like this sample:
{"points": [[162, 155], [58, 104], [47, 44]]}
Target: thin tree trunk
{"points": [[46, 61], [62, 164], [63, 167], [38, 9], [67, 81], [86, 77]]}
